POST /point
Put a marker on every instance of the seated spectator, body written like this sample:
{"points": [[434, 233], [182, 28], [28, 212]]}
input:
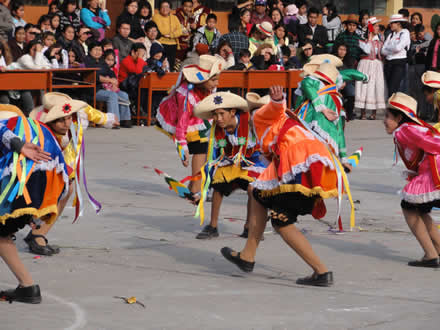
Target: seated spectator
{"points": [[94, 57], [193, 57], [280, 36], [95, 18], [145, 12], [157, 61], [314, 32], [290, 61], [83, 37], [121, 41], [332, 22], [184, 15], [236, 39], [54, 7], [200, 12], [129, 16], [245, 21], [55, 21], [31, 32], [107, 44], [48, 39], [133, 63], [151, 33], [264, 57], [170, 30], [244, 62], [259, 14], [306, 52], [224, 51], [67, 36], [208, 34], [44, 23], [261, 34], [302, 11], [350, 38], [57, 56], [70, 15], [291, 12], [276, 16], [6, 24], [74, 58], [17, 13], [33, 58], [17, 44]]}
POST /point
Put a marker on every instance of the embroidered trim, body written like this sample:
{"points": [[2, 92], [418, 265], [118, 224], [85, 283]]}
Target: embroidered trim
{"points": [[305, 166], [314, 125], [196, 127], [167, 127], [7, 137], [421, 198]]}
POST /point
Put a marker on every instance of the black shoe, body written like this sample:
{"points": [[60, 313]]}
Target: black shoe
{"points": [[325, 279], [34, 247], [431, 263], [244, 265], [126, 123], [207, 233], [245, 233], [30, 294]]}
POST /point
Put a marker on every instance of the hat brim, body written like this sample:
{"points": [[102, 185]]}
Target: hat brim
{"points": [[323, 77], [194, 75], [266, 33], [256, 101], [431, 83], [58, 111], [398, 20], [205, 109], [405, 112]]}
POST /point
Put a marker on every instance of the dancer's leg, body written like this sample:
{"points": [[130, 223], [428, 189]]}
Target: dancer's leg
{"points": [[217, 199], [8, 252], [433, 231], [197, 163]]}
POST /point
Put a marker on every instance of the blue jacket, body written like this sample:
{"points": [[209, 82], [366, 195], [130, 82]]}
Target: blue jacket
{"points": [[87, 18]]}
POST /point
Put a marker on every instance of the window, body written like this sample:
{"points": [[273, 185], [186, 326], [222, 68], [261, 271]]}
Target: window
{"points": [[376, 7], [422, 3]]}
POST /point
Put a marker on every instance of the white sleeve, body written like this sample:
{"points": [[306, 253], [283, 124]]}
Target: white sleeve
{"points": [[65, 64], [333, 24], [365, 46], [386, 46], [403, 43]]}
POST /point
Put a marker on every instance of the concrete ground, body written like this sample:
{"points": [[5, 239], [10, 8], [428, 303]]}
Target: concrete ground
{"points": [[142, 245]]}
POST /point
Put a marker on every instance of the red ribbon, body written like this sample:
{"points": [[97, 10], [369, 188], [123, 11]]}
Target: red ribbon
{"points": [[325, 77], [197, 67]]}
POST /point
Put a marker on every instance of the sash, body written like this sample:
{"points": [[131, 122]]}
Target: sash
{"points": [[326, 90]]}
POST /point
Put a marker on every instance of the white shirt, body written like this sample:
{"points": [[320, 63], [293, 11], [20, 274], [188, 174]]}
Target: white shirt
{"points": [[396, 45]]}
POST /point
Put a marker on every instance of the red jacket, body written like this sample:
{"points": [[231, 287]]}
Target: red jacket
{"points": [[129, 66]]}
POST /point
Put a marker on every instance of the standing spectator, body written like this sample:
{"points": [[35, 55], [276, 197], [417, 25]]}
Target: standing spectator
{"points": [[362, 29], [238, 40], [95, 17], [371, 95], [133, 63], [314, 32], [332, 22], [302, 11], [70, 15], [417, 19], [224, 51], [347, 89], [395, 50], [81, 42], [17, 12], [208, 34], [276, 16], [145, 12], [170, 30], [151, 33], [245, 21], [17, 44], [350, 38], [31, 32], [260, 34], [6, 24], [259, 15], [129, 15], [433, 55], [121, 41], [200, 12], [184, 15]]}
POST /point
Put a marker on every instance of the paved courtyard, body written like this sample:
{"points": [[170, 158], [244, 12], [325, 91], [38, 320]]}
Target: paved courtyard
{"points": [[142, 245]]}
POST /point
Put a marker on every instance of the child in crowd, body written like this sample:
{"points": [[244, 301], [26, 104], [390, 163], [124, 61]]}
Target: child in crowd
{"points": [[48, 39], [245, 61], [17, 12], [208, 34]]}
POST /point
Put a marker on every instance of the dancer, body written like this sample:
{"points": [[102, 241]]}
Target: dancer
{"points": [[301, 173], [176, 117], [237, 159], [418, 145], [70, 138], [34, 179]]}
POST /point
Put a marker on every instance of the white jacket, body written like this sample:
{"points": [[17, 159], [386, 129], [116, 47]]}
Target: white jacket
{"points": [[396, 45]]}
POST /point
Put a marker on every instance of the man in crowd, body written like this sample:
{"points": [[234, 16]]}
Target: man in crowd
{"points": [[312, 31], [350, 38], [259, 15], [121, 41]]}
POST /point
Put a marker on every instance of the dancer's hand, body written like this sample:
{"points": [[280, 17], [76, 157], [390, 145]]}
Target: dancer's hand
{"points": [[347, 167], [35, 153], [185, 161], [276, 93], [330, 114]]}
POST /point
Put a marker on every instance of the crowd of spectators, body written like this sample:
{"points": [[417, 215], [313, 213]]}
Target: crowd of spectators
{"points": [[274, 35]]}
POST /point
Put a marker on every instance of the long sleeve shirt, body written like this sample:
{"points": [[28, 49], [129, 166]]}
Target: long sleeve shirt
{"points": [[396, 45], [128, 65], [87, 18], [168, 25]]}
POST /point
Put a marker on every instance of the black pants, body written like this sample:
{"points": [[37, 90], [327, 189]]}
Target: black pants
{"points": [[394, 74], [170, 51]]}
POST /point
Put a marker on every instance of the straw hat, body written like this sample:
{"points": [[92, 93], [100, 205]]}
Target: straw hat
{"points": [[221, 100], [352, 18], [265, 28], [56, 106], [397, 18], [326, 72], [208, 67], [431, 79], [406, 104], [256, 101], [373, 20], [323, 58], [8, 111]]}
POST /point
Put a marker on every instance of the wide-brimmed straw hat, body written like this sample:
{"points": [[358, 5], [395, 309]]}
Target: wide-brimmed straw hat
{"points": [[221, 100], [431, 79], [352, 18], [8, 111], [256, 101], [397, 18], [405, 104], [373, 20], [208, 67], [265, 28], [56, 106], [323, 58], [326, 72]]}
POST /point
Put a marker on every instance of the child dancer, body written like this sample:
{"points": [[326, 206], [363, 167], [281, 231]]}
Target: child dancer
{"points": [[418, 144]]}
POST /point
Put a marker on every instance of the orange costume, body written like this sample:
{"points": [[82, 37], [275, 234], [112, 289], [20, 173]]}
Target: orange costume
{"points": [[302, 171]]}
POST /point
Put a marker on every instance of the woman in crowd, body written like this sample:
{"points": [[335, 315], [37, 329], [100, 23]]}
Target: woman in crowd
{"points": [[306, 52], [17, 44], [433, 55], [151, 33], [70, 15], [280, 36], [44, 23], [55, 22], [277, 16], [332, 22], [362, 28], [264, 57], [95, 17], [245, 21], [145, 13], [224, 51], [67, 36], [54, 7], [129, 15], [371, 95], [170, 30]]}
